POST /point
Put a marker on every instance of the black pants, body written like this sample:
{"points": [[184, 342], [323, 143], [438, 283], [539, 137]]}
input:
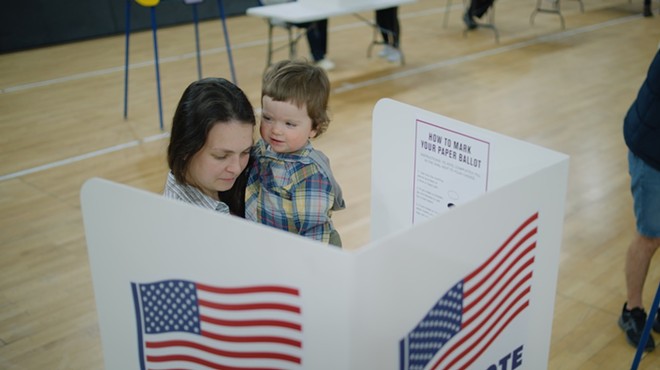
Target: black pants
{"points": [[479, 7], [317, 37], [388, 20]]}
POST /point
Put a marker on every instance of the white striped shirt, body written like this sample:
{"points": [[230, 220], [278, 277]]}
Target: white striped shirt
{"points": [[192, 195]]}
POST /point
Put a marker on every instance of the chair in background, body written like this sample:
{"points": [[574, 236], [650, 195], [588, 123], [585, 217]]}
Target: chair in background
{"points": [[294, 32], [151, 4], [553, 9], [448, 6]]}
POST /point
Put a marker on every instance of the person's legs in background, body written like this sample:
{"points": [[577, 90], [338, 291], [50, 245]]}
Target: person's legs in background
{"points": [[317, 37], [388, 22], [633, 317], [477, 9], [645, 187], [647, 8]]}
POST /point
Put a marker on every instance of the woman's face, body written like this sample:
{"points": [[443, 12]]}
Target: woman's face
{"points": [[223, 157]]}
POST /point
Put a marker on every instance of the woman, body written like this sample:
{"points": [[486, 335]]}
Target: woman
{"points": [[212, 134]]}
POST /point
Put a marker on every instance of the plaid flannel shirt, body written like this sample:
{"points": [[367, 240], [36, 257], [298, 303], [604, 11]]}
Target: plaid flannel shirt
{"points": [[292, 192]]}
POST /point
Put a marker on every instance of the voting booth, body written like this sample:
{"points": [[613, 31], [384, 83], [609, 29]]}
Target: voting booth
{"points": [[460, 273]]}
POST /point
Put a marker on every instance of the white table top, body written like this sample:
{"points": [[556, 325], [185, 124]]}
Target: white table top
{"points": [[297, 12]]}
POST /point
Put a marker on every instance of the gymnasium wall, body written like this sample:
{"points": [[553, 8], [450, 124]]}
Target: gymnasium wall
{"points": [[37, 23]]}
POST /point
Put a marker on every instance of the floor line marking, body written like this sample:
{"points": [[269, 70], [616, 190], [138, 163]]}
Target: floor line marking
{"points": [[186, 56], [349, 87], [78, 158], [483, 54]]}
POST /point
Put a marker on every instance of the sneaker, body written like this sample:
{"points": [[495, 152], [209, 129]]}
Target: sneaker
{"points": [[470, 23], [326, 64], [387, 50], [395, 56], [632, 322]]}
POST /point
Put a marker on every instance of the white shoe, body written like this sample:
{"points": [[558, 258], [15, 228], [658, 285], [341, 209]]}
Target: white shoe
{"points": [[395, 56], [387, 50], [326, 64]]}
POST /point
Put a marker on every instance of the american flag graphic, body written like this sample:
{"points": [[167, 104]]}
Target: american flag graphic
{"points": [[188, 325], [468, 318]]}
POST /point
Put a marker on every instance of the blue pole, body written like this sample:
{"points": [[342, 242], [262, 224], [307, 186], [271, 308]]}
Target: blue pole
{"points": [[128, 31], [160, 104], [227, 44], [647, 330], [199, 60]]}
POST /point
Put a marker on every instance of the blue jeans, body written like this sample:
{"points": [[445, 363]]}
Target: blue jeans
{"points": [[645, 188]]}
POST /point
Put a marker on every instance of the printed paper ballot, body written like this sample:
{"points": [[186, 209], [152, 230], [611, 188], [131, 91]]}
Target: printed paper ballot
{"points": [[450, 168]]}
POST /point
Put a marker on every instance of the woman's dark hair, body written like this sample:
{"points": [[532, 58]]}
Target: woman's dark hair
{"points": [[204, 104]]}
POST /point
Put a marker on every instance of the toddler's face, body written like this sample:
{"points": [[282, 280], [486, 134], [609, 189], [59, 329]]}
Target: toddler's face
{"points": [[284, 126]]}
